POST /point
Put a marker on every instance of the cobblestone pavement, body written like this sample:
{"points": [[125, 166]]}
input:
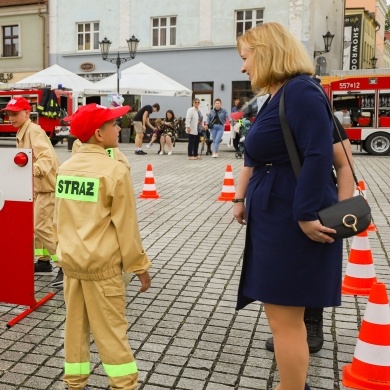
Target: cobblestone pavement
{"points": [[184, 331]]}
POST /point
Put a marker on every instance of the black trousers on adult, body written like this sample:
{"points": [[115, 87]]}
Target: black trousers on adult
{"points": [[193, 145]]}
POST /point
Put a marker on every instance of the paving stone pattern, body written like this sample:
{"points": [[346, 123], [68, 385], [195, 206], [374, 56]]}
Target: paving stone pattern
{"points": [[185, 332]]}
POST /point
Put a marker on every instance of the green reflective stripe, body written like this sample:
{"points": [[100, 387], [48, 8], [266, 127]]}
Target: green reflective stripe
{"points": [[85, 189], [41, 252], [77, 368], [114, 370], [111, 152], [54, 258]]}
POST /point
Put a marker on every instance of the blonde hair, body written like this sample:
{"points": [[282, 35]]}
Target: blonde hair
{"points": [[158, 121], [277, 55]]}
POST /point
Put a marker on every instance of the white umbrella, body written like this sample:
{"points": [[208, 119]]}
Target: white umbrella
{"points": [[56, 75], [139, 79]]}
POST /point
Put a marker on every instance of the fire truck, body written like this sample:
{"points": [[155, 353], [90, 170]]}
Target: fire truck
{"points": [[364, 98], [48, 107]]}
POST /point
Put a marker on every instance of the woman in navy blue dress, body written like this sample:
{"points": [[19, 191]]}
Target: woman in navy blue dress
{"points": [[289, 260]]}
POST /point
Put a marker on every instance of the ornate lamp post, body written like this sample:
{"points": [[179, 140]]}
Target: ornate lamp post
{"points": [[373, 61], [132, 44], [328, 38]]}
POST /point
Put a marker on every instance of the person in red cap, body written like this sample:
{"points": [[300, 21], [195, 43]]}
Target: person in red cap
{"points": [[45, 165], [99, 247]]}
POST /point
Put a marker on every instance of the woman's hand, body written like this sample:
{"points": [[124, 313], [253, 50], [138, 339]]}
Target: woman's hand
{"points": [[239, 213], [316, 231]]}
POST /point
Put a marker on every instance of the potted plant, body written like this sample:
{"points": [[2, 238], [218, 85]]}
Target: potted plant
{"points": [[126, 128]]}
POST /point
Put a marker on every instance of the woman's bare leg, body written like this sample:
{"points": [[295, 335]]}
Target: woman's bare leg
{"points": [[291, 349], [169, 143]]}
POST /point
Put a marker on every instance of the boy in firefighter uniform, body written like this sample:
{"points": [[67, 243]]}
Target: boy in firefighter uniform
{"points": [[45, 165], [96, 227]]}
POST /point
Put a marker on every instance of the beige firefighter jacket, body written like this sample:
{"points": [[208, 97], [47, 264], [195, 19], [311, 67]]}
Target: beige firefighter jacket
{"points": [[95, 218], [45, 160], [114, 153]]}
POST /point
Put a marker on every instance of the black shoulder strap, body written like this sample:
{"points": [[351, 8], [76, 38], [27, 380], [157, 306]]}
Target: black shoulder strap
{"points": [[288, 137]]}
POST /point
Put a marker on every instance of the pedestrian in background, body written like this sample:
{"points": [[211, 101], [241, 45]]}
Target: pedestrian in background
{"points": [[216, 120], [156, 133], [140, 121], [98, 240], [290, 261], [238, 103], [194, 125], [169, 134], [235, 135], [45, 165]]}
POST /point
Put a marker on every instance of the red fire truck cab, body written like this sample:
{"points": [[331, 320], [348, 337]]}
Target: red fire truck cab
{"points": [[365, 103], [48, 107]]}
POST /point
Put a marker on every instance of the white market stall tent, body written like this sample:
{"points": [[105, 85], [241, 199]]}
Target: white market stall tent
{"points": [[139, 79], [54, 76]]}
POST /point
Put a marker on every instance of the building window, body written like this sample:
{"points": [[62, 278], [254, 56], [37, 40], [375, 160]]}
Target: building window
{"points": [[164, 31], [247, 19], [10, 41], [87, 36], [242, 90]]}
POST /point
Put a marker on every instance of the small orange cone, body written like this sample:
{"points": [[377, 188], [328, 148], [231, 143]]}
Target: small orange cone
{"points": [[149, 190], [360, 272], [362, 186], [370, 368], [228, 191]]}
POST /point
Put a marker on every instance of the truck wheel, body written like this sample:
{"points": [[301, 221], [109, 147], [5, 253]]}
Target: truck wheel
{"points": [[378, 144]]}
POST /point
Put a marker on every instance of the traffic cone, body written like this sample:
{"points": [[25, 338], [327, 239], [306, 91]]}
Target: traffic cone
{"points": [[228, 191], [362, 187], [370, 368], [360, 272], [149, 190]]}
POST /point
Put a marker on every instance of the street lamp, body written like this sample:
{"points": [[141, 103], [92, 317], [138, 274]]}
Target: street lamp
{"points": [[373, 61], [132, 44], [328, 38]]}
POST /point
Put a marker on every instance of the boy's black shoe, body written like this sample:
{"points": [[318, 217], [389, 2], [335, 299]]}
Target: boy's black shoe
{"points": [[43, 268], [315, 336], [140, 152], [59, 280]]}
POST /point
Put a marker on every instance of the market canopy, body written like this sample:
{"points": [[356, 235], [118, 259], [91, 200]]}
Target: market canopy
{"points": [[139, 79], [55, 75]]}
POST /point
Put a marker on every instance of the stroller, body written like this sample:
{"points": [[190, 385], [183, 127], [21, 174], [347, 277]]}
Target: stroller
{"points": [[245, 124]]}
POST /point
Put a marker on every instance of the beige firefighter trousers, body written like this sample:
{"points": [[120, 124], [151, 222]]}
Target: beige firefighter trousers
{"points": [[97, 306], [43, 224]]}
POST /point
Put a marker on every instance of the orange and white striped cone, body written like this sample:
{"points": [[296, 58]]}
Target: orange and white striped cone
{"points": [[370, 367], [149, 190], [362, 187], [228, 190], [360, 272]]}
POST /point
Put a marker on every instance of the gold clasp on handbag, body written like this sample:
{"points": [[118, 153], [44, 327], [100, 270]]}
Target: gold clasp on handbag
{"points": [[350, 225]]}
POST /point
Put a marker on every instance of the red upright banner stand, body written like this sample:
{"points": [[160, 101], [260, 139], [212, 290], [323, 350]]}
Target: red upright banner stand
{"points": [[17, 232]]}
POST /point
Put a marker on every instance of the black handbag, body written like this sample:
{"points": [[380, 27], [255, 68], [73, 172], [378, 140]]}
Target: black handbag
{"points": [[348, 217]]}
